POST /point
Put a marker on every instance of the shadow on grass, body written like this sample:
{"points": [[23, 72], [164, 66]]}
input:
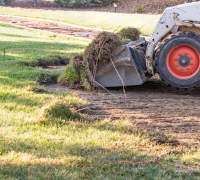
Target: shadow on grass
{"points": [[35, 45], [86, 137], [27, 76], [14, 35], [75, 154], [19, 99], [82, 152], [117, 172]]}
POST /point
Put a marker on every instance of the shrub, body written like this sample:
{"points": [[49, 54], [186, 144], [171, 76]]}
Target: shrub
{"points": [[4, 2], [83, 3], [138, 9]]}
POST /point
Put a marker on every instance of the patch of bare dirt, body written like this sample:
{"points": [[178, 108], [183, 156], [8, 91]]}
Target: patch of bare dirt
{"points": [[55, 27], [56, 68], [124, 6], [152, 107]]}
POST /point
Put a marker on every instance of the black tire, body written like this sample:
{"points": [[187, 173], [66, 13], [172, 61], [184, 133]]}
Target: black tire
{"points": [[189, 39]]}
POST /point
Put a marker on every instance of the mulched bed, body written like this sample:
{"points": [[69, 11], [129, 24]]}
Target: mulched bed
{"points": [[124, 6]]}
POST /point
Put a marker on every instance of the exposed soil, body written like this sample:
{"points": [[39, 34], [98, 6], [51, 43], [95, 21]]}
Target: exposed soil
{"points": [[56, 68], [152, 106], [55, 27], [124, 6]]}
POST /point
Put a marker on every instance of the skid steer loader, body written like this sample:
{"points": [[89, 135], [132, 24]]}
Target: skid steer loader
{"points": [[173, 52]]}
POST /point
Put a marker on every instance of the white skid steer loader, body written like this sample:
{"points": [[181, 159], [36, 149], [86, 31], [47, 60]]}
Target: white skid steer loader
{"points": [[173, 52]]}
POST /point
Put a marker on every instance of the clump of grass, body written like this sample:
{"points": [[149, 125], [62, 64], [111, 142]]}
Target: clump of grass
{"points": [[48, 77], [130, 33], [70, 76], [32, 63], [57, 112], [50, 60], [74, 75], [35, 88], [53, 60]]}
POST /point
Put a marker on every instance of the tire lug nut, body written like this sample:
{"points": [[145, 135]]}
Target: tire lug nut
{"points": [[185, 53], [181, 69], [176, 65], [191, 63], [179, 54], [176, 59], [191, 57], [187, 68]]}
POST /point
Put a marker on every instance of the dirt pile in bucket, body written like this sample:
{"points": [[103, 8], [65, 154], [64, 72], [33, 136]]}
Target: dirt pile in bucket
{"points": [[101, 49]]}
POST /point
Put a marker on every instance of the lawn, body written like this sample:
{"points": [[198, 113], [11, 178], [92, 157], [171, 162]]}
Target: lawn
{"points": [[91, 19], [24, 138]]}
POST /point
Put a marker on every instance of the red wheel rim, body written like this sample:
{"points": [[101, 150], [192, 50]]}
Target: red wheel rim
{"points": [[183, 61]]}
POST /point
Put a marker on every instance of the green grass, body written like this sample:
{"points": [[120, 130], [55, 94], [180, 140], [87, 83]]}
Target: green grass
{"points": [[89, 18], [24, 139]]}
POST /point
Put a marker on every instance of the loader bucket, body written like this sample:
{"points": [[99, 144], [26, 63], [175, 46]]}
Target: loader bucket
{"points": [[127, 67]]}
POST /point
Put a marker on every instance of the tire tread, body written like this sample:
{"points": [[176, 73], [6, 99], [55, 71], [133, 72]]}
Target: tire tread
{"points": [[168, 38]]}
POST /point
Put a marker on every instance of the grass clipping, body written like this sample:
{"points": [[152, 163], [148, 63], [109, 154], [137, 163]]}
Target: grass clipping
{"points": [[82, 69]]}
